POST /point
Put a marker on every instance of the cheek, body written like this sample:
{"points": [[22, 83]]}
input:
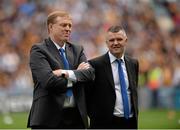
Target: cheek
{"points": [[124, 44], [112, 49], [59, 32], [109, 45]]}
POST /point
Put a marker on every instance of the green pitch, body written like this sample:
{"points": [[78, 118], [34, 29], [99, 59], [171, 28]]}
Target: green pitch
{"points": [[14, 120], [148, 119], [159, 119]]}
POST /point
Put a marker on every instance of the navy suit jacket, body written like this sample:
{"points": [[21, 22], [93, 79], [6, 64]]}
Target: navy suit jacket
{"points": [[50, 90], [101, 94]]}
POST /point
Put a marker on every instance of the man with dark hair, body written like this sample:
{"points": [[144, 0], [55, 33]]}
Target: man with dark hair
{"points": [[58, 69], [112, 98]]}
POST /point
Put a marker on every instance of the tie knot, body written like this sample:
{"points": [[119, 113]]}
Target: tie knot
{"points": [[61, 50], [119, 60]]}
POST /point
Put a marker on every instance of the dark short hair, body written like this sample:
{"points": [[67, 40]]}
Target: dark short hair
{"points": [[115, 29]]}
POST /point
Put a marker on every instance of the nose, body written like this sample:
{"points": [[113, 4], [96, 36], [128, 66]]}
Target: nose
{"points": [[68, 27], [115, 42]]}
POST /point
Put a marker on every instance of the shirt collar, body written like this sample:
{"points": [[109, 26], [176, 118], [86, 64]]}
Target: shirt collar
{"points": [[57, 46], [113, 58]]}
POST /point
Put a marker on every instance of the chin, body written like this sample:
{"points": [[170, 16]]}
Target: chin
{"points": [[65, 40], [118, 51]]}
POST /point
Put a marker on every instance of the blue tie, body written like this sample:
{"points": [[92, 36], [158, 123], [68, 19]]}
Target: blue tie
{"points": [[66, 66], [123, 90]]}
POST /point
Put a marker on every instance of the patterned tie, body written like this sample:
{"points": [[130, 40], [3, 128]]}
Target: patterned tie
{"points": [[123, 90], [66, 66]]}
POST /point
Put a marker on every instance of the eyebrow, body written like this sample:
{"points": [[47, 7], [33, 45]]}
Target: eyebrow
{"points": [[118, 38]]}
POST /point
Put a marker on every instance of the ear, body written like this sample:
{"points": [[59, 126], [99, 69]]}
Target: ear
{"points": [[50, 26], [106, 42]]}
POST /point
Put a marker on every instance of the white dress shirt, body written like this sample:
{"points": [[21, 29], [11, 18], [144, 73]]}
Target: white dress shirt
{"points": [[118, 110], [69, 101]]}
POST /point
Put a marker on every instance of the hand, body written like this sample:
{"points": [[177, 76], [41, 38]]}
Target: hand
{"points": [[83, 65], [61, 72], [57, 72]]}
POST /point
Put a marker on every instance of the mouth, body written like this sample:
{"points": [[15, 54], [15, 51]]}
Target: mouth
{"points": [[116, 47], [67, 35]]}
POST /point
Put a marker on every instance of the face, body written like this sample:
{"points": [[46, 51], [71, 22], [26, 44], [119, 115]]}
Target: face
{"points": [[60, 30], [116, 43]]}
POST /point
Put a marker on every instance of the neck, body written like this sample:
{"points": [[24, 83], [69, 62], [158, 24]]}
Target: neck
{"points": [[60, 43], [119, 55]]}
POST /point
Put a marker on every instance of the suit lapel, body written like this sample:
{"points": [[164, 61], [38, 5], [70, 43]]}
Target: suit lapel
{"points": [[70, 55], [54, 51], [129, 71], [108, 70]]}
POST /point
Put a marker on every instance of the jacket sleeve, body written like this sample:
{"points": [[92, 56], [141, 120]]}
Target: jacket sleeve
{"points": [[42, 71], [84, 75], [137, 72]]}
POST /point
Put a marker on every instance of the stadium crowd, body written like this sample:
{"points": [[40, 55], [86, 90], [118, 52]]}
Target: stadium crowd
{"points": [[153, 29]]}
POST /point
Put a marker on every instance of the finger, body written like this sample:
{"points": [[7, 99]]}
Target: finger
{"points": [[81, 64], [85, 67]]}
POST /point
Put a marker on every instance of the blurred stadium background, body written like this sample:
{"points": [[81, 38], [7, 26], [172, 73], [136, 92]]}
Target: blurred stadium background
{"points": [[153, 29]]}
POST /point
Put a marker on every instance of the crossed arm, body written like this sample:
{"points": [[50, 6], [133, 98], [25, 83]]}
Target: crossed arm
{"points": [[81, 66]]}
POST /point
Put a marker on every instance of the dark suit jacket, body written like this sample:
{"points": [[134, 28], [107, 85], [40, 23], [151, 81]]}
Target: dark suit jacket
{"points": [[101, 95], [50, 90]]}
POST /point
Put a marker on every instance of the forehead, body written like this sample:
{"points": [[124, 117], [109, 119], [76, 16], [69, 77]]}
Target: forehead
{"points": [[120, 34], [65, 19]]}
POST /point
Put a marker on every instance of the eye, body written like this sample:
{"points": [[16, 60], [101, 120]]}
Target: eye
{"points": [[70, 25], [111, 40], [65, 25], [119, 39]]}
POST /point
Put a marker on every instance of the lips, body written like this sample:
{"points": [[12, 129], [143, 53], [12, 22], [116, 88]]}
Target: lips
{"points": [[66, 35], [116, 47]]}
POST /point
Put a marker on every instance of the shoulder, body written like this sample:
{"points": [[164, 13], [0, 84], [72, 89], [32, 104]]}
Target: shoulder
{"points": [[44, 45], [133, 61], [99, 60], [75, 46], [96, 59], [39, 47]]}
